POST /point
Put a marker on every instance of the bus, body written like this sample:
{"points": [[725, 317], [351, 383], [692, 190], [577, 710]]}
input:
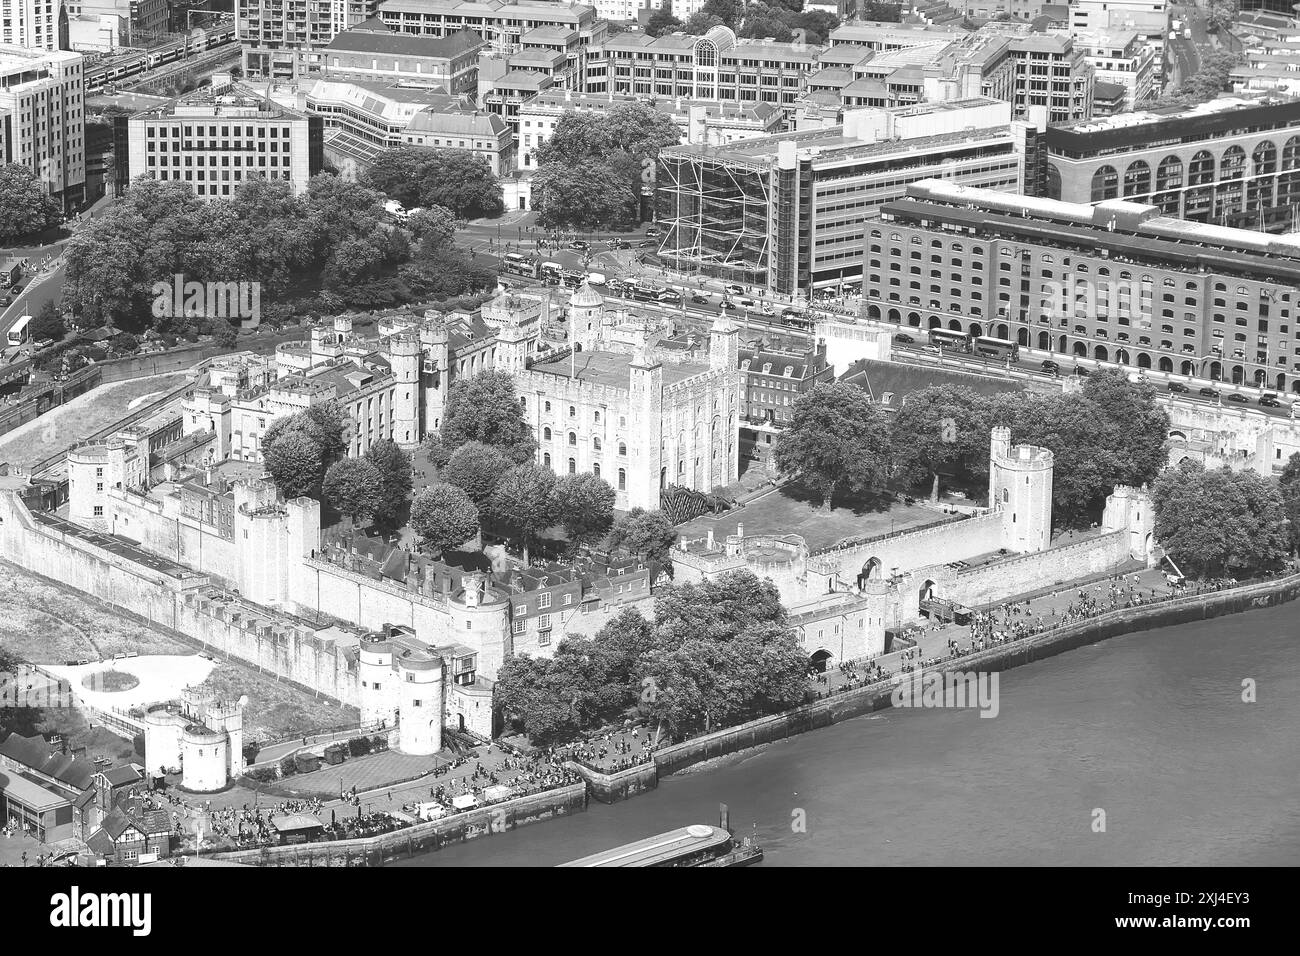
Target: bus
{"points": [[999, 349], [18, 331], [955, 341], [516, 264]]}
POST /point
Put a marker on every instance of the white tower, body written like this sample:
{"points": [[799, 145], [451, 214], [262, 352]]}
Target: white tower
{"points": [[421, 705], [1020, 486]]}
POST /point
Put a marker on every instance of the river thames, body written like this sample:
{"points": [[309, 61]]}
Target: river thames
{"points": [[1149, 727]]}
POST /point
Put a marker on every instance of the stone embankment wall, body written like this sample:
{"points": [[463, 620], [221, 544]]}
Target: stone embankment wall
{"points": [[423, 837], [610, 788]]}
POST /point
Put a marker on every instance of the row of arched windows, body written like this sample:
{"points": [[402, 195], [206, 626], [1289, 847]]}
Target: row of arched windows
{"points": [[1203, 169]]}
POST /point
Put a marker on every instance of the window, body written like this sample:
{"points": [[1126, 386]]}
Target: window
{"points": [[99, 511], [622, 479], [544, 622], [544, 599], [519, 626]]}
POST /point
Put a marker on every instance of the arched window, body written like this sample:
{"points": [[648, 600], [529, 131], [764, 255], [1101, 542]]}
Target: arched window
{"points": [[1105, 184], [595, 444], [1137, 178], [622, 448], [546, 459], [573, 438], [573, 466], [548, 406], [595, 469], [546, 434], [573, 412], [622, 479]]}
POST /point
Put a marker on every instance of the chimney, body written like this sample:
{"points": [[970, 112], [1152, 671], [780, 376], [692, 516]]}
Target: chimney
{"points": [[710, 539]]}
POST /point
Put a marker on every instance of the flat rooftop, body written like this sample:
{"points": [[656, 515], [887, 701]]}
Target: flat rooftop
{"points": [[613, 369]]}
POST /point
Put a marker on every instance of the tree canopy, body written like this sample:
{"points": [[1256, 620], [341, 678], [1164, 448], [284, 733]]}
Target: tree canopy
{"points": [[394, 467], [1220, 522], [25, 207], [837, 437], [593, 168], [584, 504], [354, 487], [484, 409], [299, 448], [444, 517], [524, 502], [424, 176], [476, 469], [1289, 486], [646, 533], [939, 429]]}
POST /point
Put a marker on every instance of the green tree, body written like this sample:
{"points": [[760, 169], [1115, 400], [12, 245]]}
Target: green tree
{"points": [[662, 21], [716, 609], [939, 429], [1137, 429], [523, 501], [485, 409], [836, 437], [646, 533], [48, 323], [584, 504], [444, 517], [394, 467], [293, 460], [455, 179], [354, 487], [435, 227], [1220, 522], [701, 23], [476, 469], [1289, 486], [25, 207]]}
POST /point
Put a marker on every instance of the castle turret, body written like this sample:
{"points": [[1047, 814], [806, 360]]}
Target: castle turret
{"points": [[587, 316], [435, 372], [1020, 486], [378, 695], [724, 345], [645, 406], [420, 700], [404, 357]]}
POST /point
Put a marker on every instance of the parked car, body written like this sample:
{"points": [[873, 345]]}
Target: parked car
{"points": [[700, 299], [745, 303], [1208, 392], [1238, 398], [15, 289], [1050, 366], [1268, 401], [620, 244], [903, 338], [734, 289], [766, 309], [581, 245], [652, 233], [6, 300], [728, 307], [1178, 387], [648, 244]]}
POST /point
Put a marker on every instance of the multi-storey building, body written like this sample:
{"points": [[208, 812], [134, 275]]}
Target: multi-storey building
{"points": [[216, 136], [716, 66], [1122, 57], [42, 118], [1116, 282], [139, 22], [785, 212], [710, 122], [1232, 161], [501, 24], [32, 24], [284, 39], [362, 119], [774, 376], [1150, 18], [373, 52]]}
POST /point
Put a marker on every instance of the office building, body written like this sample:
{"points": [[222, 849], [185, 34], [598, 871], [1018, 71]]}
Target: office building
{"points": [[1149, 18], [1123, 58], [1117, 282], [33, 24], [214, 137], [786, 212], [1231, 161], [42, 118], [284, 39], [372, 52]]}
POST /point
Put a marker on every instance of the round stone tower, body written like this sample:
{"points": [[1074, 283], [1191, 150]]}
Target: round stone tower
{"points": [[435, 341], [1020, 486], [420, 702], [480, 617], [377, 699]]}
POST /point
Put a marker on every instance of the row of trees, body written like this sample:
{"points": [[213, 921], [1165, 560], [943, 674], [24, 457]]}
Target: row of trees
{"points": [[785, 21], [485, 453], [305, 454], [1111, 432], [717, 653], [591, 171], [334, 237]]}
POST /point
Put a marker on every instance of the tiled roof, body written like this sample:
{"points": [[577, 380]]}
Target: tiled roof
{"points": [[34, 752]]}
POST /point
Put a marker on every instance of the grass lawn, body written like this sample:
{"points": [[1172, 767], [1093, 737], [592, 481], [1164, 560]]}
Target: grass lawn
{"points": [[275, 709], [46, 624], [82, 417], [788, 511]]}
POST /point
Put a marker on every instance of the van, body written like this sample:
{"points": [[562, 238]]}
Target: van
{"points": [[596, 278]]}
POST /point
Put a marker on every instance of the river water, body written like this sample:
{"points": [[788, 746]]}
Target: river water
{"points": [[1149, 728]]}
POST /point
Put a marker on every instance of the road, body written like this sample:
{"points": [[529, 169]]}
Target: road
{"points": [[1185, 54]]}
